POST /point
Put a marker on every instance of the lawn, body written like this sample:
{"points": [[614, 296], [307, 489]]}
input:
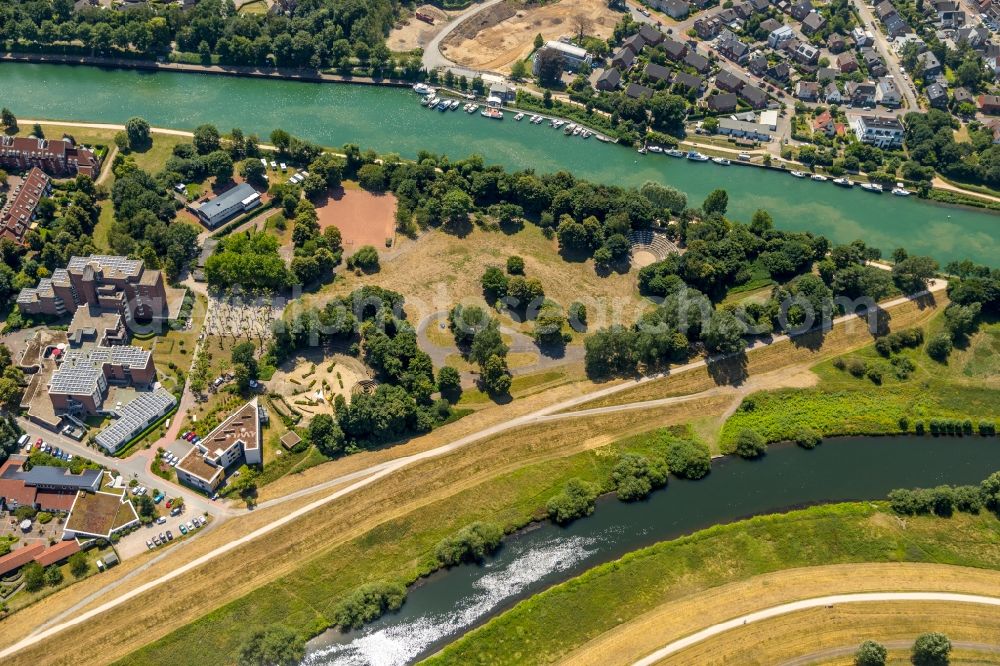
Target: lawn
{"points": [[966, 387], [549, 625], [103, 226], [256, 7]]}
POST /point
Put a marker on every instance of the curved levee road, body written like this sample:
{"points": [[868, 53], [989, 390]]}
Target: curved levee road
{"points": [[806, 604]]}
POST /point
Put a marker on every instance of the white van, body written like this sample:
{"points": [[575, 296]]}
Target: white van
{"points": [[22, 440]]}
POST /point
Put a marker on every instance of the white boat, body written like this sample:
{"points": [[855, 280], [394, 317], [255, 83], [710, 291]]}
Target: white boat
{"points": [[901, 191], [744, 157], [519, 117], [655, 149], [422, 89], [569, 129], [843, 182], [468, 105], [721, 161], [432, 101], [558, 123], [455, 104], [493, 114], [538, 120], [872, 187], [673, 152], [799, 174], [603, 139], [444, 105], [818, 178], [532, 119], [642, 150], [695, 156], [424, 101], [586, 134]]}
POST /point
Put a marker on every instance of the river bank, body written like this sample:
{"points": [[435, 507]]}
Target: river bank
{"points": [[450, 602]]}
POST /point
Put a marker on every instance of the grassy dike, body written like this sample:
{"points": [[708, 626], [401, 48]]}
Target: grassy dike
{"points": [[304, 599], [551, 624]]}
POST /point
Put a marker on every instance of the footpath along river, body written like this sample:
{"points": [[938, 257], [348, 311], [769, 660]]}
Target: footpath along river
{"points": [[391, 120], [446, 605]]}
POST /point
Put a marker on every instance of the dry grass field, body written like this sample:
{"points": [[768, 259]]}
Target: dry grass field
{"points": [[411, 33], [777, 640], [499, 43]]}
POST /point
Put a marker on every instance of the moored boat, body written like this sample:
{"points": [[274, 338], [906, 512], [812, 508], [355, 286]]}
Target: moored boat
{"points": [[577, 130], [655, 149], [492, 113], [798, 174], [455, 104], [519, 117], [673, 152], [641, 150], [569, 129], [901, 191], [872, 187], [474, 108], [422, 89], [721, 161], [695, 156], [843, 182], [818, 178]]}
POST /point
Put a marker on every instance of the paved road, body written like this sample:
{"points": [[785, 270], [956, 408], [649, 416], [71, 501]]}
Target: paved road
{"points": [[891, 61], [373, 473], [818, 602], [433, 58]]}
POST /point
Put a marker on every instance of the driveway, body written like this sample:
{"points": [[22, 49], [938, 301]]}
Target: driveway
{"points": [[433, 58]]}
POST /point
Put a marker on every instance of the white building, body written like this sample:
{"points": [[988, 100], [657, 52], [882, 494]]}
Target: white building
{"points": [[769, 119], [743, 128], [880, 131], [779, 36], [573, 57], [204, 467]]}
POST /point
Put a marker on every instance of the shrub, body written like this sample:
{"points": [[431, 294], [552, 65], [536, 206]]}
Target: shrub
{"points": [[987, 428], [939, 347], [635, 476], [275, 646], [807, 437], [688, 459], [931, 649], [470, 544], [904, 424], [368, 602], [365, 259], [44, 517], [515, 265], [857, 367], [750, 444], [874, 373], [919, 427], [839, 363], [575, 501], [870, 653]]}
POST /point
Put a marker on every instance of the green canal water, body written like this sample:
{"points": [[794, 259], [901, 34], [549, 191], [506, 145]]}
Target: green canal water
{"points": [[391, 120]]}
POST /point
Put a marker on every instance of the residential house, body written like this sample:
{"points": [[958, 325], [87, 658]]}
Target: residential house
{"points": [[235, 439], [634, 43], [879, 131], [707, 28], [744, 10], [825, 123], [609, 80], [836, 43], [623, 60], [726, 80], [753, 96], [675, 50], [827, 74], [697, 62], [807, 91], [976, 37], [651, 35], [56, 157], [18, 213], [847, 62], [734, 50], [769, 25], [805, 53], [870, 57], [689, 82], [757, 65], [832, 94], [860, 93], [779, 36], [572, 57], [744, 129], [506, 93], [759, 5], [722, 103], [636, 91], [813, 23], [895, 26], [929, 64], [657, 73], [937, 96], [949, 14], [676, 9], [884, 10], [801, 10], [780, 73], [887, 93], [962, 95], [862, 37]]}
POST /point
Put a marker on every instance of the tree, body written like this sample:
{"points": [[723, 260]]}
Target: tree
{"points": [[931, 649], [961, 320], [494, 283], [53, 575], [34, 576], [539, 43], [549, 66], [449, 382], [911, 274], [455, 208], [664, 197], [575, 501], [870, 653], [635, 476], [688, 459], [495, 375], [372, 177], [275, 646], [725, 333], [79, 566], [515, 265], [717, 201], [750, 444], [325, 433], [146, 508], [253, 172], [7, 119], [206, 139], [365, 259], [518, 70], [138, 133], [244, 356], [939, 347], [668, 111]]}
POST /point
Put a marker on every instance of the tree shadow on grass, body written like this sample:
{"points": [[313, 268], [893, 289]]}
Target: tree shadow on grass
{"points": [[729, 371]]}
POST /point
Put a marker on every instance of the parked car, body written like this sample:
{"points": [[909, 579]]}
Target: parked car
{"points": [[38, 443], [176, 511], [169, 503], [163, 538], [69, 458], [161, 520], [190, 526], [183, 529], [170, 535], [57, 452], [149, 544], [156, 540]]}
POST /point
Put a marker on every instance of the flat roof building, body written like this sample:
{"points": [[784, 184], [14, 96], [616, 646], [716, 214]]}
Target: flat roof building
{"points": [[227, 205], [56, 157], [134, 417], [880, 131], [80, 383]]}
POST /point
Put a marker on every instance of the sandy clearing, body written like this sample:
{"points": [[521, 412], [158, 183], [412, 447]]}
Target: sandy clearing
{"points": [[363, 218]]}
